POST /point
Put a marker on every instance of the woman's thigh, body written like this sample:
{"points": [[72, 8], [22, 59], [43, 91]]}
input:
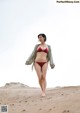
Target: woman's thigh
{"points": [[44, 69], [38, 70]]}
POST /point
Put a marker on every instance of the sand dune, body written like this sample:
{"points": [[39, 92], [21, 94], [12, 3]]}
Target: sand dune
{"points": [[21, 98]]}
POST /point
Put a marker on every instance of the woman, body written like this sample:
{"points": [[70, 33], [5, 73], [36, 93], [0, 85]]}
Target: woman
{"points": [[40, 57]]}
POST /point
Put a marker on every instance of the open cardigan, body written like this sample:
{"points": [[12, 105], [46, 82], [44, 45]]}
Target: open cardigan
{"points": [[31, 58]]}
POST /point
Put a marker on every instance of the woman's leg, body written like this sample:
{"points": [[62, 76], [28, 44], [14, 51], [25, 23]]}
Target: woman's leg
{"points": [[44, 83], [38, 71]]}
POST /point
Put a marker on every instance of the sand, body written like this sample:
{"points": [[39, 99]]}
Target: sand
{"points": [[21, 98]]}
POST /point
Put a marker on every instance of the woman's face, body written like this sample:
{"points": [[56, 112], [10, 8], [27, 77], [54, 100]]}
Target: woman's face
{"points": [[41, 39]]}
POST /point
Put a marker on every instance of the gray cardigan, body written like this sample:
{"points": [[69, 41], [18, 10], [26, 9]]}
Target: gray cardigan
{"points": [[31, 58]]}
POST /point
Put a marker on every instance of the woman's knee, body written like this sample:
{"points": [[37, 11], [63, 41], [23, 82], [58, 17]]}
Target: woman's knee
{"points": [[43, 78]]}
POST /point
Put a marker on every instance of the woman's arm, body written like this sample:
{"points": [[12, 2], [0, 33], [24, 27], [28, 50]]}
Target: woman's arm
{"points": [[31, 57], [51, 57]]}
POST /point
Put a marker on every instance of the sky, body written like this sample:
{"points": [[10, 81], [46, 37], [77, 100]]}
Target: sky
{"points": [[20, 23]]}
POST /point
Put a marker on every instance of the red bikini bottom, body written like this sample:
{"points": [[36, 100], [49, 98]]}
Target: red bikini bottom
{"points": [[41, 64]]}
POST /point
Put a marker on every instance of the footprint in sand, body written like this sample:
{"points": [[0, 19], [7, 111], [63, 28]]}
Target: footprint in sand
{"points": [[28, 97], [62, 94], [40, 109], [50, 109], [19, 101], [23, 110], [26, 101], [12, 104], [66, 111]]}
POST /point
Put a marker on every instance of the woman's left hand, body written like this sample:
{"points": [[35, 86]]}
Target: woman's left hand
{"points": [[52, 66]]}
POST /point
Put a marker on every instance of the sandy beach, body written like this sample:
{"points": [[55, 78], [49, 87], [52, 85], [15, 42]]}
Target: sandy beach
{"points": [[21, 98]]}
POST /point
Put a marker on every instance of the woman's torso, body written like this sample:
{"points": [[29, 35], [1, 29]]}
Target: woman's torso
{"points": [[41, 54]]}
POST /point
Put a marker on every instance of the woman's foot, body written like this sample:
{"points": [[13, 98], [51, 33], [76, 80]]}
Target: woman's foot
{"points": [[43, 94]]}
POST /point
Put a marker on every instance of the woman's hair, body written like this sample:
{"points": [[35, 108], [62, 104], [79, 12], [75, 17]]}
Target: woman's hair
{"points": [[43, 35]]}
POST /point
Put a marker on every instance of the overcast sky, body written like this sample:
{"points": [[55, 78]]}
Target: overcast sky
{"points": [[20, 23]]}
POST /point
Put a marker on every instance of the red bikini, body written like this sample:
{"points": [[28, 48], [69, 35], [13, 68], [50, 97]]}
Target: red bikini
{"points": [[41, 50]]}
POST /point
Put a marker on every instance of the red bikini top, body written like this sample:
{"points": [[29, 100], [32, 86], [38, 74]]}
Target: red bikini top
{"points": [[42, 50]]}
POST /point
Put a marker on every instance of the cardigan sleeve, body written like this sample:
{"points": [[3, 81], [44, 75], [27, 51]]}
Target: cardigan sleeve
{"points": [[31, 57], [51, 57]]}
